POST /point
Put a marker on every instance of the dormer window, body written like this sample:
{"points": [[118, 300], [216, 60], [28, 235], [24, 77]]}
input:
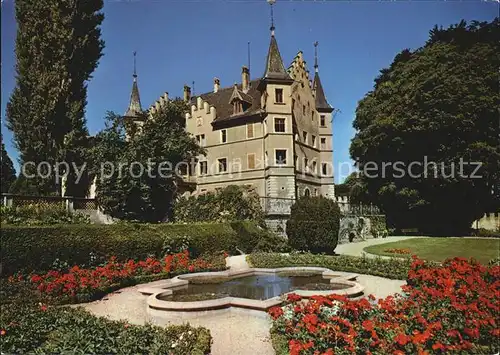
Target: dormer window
{"points": [[240, 101], [237, 106]]}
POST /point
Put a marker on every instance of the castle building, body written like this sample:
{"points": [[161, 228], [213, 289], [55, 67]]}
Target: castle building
{"points": [[272, 133]]}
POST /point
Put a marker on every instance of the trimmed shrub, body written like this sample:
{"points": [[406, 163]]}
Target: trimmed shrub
{"points": [[390, 268], [62, 330], [37, 248], [314, 225], [38, 215], [232, 203]]}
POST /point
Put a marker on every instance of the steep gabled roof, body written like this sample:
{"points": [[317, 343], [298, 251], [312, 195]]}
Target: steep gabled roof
{"points": [[222, 101]]}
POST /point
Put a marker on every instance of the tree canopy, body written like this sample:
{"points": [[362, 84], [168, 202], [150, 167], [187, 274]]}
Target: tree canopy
{"points": [[136, 166], [437, 104], [8, 174], [58, 46]]}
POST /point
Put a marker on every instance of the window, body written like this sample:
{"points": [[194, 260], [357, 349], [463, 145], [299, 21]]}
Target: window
{"points": [[203, 167], [307, 192], [201, 140], [314, 167], [304, 137], [322, 121], [323, 143], [279, 125], [313, 139], [280, 156], [278, 95], [250, 130], [315, 192], [222, 165], [223, 136], [183, 169], [306, 164], [324, 169], [303, 110], [312, 115], [251, 161], [237, 107]]}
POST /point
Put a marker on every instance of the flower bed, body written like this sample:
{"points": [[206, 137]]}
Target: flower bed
{"points": [[83, 284], [452, 307], [61, 330]]}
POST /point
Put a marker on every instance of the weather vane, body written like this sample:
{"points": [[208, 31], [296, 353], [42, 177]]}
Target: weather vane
{"points": [[271, 3], [316, 56], [135, 72]]}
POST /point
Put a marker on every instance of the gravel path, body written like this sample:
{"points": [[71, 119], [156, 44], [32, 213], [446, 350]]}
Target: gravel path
{"points": [[356, 248], [233, 332]]}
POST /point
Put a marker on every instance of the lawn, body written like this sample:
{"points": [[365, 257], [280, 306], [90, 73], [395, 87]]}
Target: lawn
{"points": [[439, 249]]}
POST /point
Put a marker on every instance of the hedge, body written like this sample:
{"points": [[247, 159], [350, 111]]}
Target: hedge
{"points": [[62, 330], [37, 247], [390, 268]]}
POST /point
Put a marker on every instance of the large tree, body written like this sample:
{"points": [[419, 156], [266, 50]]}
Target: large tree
{"points": [[58, 46], [436, 104], [8, 174], [136, 169]]}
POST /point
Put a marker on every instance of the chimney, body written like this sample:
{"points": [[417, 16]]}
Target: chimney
{"points": [[245, 79], [187, 93], [216, 84]]}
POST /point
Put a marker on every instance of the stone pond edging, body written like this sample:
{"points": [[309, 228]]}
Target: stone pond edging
{"points": [[164, 288]]}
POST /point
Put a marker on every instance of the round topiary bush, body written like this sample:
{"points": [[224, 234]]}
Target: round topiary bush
{"points": [[314, 225]]}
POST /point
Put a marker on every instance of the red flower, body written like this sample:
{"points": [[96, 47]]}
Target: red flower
{"points": [[439, 346], [3, 332], [402, 339], [293, 297], [275, 312]]}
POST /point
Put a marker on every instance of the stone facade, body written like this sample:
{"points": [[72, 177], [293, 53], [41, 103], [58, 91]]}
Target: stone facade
{"points": [[272, 133]]}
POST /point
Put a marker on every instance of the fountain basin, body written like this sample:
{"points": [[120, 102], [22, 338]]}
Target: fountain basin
{"points": [[256, 288]]}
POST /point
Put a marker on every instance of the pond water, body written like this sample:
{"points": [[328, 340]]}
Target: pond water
{"points": [[257, 287]]}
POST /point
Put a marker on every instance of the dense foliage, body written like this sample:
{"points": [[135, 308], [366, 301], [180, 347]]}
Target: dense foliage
{"points": [[141, 165], [44, 329], [354, 188], [7, 172], [231, 203], [448, 308], [36, 248], [83, 284], [314, 225], [58, 46], [434, 95], [38, 215], [389, 268]]}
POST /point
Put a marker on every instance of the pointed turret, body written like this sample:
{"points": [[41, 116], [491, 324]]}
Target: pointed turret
{"points": [[134, 108], [322, 104], [275, 69]]}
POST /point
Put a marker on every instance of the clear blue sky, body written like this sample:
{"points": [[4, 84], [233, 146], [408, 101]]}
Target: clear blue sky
{"points": [[181, 41]]}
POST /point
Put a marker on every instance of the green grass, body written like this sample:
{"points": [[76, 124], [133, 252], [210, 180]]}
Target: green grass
{"points": [[439, 249]]}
